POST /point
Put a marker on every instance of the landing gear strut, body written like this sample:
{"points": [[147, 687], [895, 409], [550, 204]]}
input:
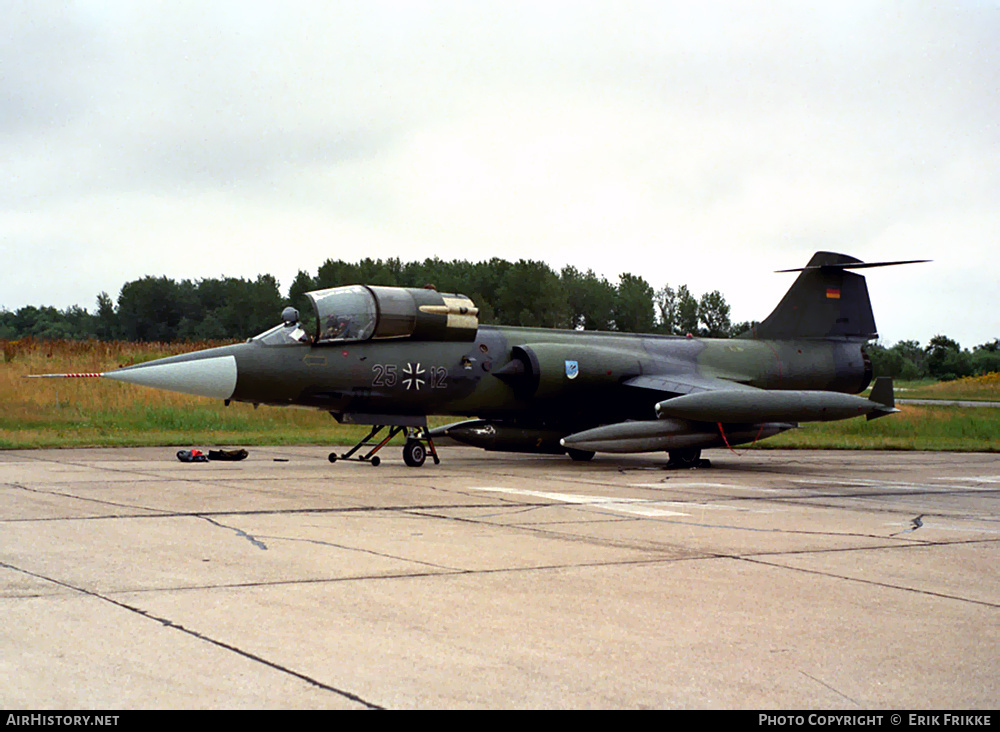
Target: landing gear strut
{"points": [[687, 458], [418, 446]]}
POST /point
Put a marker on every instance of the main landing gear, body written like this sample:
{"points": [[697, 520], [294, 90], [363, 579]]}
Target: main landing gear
{"points": [[418, 446], [687, 458]]}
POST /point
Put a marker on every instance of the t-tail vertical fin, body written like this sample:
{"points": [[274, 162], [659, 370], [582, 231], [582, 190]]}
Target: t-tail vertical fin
{"points": [[825, 301]]}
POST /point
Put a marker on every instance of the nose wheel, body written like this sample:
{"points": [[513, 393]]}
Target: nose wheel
{"points": [[414, 453]]}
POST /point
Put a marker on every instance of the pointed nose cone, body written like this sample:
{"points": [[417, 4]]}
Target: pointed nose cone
{"points": [[213, 376]]}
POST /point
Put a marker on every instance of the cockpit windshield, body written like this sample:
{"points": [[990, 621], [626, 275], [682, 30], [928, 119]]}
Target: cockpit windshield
{"points": [[345, 313]]}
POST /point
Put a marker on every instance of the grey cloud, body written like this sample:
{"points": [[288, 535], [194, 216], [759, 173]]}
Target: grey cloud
{"points": [[848, 123]]}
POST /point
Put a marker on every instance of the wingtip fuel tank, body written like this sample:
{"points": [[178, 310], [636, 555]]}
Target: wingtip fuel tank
{"points": [[753, 406]]}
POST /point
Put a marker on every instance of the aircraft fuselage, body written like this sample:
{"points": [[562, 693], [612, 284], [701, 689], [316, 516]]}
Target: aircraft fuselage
{"points": [[571, 377]]}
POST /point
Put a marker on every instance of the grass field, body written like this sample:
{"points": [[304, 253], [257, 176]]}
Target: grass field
{"points": [[973, 388], [914, 428], [83, 412], [97, 412], [923, 427]]}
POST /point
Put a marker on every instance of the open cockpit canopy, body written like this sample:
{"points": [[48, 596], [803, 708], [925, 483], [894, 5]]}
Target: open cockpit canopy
{"points": [[344, 313], [360, 313]]}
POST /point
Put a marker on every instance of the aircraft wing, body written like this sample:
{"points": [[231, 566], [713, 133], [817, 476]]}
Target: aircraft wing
{"points": [[694, 416], [683, 431], [685, 383]]}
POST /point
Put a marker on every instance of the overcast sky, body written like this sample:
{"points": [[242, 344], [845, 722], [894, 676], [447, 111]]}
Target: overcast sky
{"points": [[695, 143]]}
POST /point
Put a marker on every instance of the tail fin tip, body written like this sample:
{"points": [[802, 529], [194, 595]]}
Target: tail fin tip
{"points": [[825, 301]]}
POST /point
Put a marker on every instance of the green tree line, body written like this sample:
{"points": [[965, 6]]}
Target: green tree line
{"points": [[525, 292], [942, 359], [511, 293]]}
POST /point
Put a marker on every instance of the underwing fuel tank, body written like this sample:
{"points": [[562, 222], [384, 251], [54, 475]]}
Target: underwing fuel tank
{"points": [[668, 434], [502, 437], [753, 406]]}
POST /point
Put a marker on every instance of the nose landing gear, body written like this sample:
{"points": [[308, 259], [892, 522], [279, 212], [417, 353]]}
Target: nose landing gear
{"points": [[415, 451]]}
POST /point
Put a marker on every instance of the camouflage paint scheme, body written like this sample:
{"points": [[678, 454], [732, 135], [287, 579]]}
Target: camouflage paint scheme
{"points": [[543, 390]]}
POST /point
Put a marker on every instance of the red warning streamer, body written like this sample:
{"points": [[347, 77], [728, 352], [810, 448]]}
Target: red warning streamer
{"points": [[726, 440]]}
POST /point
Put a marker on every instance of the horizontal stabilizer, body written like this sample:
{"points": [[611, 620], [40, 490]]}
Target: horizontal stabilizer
{"points": [[854, 265]]}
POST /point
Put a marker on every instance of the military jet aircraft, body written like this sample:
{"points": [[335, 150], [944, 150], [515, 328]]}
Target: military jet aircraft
{"points": [[389, 357]]}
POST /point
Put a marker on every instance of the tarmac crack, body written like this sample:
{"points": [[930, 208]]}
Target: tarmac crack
{"points": [[161, 514], [835, 691], [587, 508], [861, 580], [745, 557], [239, 532], [372, 552], [85, 499], [166, 622]]}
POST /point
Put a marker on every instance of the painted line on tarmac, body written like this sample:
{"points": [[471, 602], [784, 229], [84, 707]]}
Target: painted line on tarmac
{"points": [[637, 506], [728, 486], [632, 506], [955, 484]]}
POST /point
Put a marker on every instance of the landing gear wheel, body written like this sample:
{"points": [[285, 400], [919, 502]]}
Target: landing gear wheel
{"points": [[580, 456], [414, 453], [688, 458]]}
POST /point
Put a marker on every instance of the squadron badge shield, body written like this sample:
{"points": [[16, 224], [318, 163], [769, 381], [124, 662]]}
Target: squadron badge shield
{"points": [[572, 369]]}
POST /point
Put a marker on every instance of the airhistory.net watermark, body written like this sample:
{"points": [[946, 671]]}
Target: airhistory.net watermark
{"points": [[61, 720]]}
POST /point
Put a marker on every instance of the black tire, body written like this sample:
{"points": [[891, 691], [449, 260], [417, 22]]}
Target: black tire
{"points": [[332, 457], [375, 461], [688, 458], [580, 456], [414, 453]]}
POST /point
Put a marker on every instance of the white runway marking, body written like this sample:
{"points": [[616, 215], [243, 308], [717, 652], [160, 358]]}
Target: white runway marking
{"points": [[637, 506], [935, 526], [956, 483], [982, 479], [633, 506], [730, 486], [680, 484]]}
